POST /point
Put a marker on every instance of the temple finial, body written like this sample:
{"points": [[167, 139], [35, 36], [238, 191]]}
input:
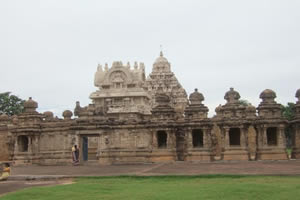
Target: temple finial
{"points": [[161, 53]]}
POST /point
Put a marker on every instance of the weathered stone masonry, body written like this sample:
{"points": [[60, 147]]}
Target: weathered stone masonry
{"points": [[134, 119]]}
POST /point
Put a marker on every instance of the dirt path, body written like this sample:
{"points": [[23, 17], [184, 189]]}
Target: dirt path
{"points": [[12, 186], [291, 167]]}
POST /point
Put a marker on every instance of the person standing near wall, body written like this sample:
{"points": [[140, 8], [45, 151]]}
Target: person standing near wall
{"points": [[5, 171], [75, 155]]}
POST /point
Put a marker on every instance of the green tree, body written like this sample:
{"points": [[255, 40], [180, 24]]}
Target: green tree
{"points": [[244, 102], [288, 112], [10, 104]]}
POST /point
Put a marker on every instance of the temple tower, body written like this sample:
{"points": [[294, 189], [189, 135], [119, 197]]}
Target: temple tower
{"points": [[233, 119], [270, 126], [121, 93], [163, 80], [198, 131]]}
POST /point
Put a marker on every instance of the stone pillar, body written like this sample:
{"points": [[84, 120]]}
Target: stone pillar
{"points": [[99, 146], [265, 140], [154, 140], [171, 139], [281, 137], [16, 148], [204, 130], [296, 142], [29, 144], [217, 141], [227, 144], [243, 137], [36, 144], [208, 138], [189, 139], [252, 142]]}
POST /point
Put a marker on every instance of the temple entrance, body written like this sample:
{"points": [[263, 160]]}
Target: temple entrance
{"points": [[89, 147]]}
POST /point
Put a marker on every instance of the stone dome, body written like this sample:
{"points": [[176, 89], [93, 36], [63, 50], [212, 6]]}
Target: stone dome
{"points": [[48, 114], [196, 97], [67, 114], [250, 108], [161, 59], [219, 108], [30, 104], [15, 119], [267, 94], [232, 96], [4, 117]]}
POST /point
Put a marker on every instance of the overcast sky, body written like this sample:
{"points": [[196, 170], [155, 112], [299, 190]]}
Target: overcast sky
{"points": [[49, 49]]}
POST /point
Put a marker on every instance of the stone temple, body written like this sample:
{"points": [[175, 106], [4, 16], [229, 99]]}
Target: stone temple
{"points": [[139, 119]]}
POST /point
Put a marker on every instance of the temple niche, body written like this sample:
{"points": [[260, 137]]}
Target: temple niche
{"points": [[132, 119]]}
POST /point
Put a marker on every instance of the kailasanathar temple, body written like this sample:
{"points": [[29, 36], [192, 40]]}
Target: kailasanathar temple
{"points": [[134, 119]]}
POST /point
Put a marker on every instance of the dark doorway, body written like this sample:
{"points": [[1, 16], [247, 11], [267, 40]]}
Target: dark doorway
{"points": [[272, 136], [89, 147], [162, 139], [23, 143], [197, 138], [234, 137], [85, 147]]}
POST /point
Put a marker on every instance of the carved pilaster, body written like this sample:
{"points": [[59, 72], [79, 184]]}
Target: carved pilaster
{"points": [[154, 140], [207, 139], [243, 137], [281, 137], [265, 140], [204, 138], [226, 137], [36, 144], [16, 146], [190, 139]]}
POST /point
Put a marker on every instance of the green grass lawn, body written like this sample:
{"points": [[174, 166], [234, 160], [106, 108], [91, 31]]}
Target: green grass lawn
{"points": [[168, 187]]}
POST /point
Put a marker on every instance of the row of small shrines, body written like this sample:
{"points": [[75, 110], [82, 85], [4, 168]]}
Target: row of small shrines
{"points": [[237, 132]]}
